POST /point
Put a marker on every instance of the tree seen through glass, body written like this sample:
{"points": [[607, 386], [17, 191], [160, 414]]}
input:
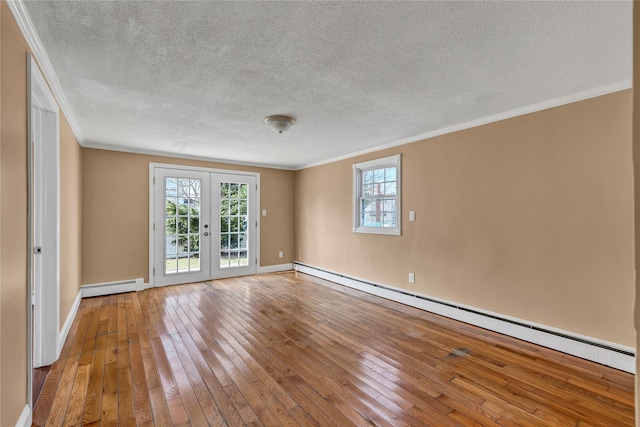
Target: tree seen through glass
{"points": [[233, 224], [182, 225], [378, 201]]}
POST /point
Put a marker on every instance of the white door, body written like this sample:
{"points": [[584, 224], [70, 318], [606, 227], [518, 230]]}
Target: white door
{"points": [[204, 225], [44, 223], [182, 228], [234, 204]]}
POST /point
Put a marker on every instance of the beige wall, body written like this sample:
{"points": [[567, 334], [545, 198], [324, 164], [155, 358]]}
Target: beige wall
{"points": [[636, 172], [115, 238], [1, 181], [530, 217], [13, 224], [13, 229], [70, 219]]}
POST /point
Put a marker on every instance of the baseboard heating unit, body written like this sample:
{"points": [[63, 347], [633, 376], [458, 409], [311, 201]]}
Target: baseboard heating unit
{"points": [[99, 289], [600, 351]]}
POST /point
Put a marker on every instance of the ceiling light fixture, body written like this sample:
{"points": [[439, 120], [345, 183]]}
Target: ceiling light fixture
{"points": [[279, 123]]}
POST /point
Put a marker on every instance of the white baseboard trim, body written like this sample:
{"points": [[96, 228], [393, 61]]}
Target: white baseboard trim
{"points": [[25, 417], [274, 268], [604, 352], [109, 288], [62, 336]]}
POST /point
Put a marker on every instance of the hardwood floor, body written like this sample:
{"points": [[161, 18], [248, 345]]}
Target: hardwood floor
{"points": [[281, 350], [38, 376]]}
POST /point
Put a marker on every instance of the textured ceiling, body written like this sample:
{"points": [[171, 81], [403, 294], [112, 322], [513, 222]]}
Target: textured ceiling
{"points": [[198, 78]]}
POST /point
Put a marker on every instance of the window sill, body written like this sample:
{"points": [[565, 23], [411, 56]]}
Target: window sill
{"points": [[395, 231]]}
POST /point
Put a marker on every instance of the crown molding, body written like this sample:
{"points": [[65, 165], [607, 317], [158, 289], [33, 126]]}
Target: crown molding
{"points": [[545, 105], [170, 155], [31, 36]]}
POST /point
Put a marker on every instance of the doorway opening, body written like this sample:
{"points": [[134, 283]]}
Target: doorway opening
{"points": [[43, 294]]}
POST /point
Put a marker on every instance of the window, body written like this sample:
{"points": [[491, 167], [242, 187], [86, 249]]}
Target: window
{"points": [[376, 200]]}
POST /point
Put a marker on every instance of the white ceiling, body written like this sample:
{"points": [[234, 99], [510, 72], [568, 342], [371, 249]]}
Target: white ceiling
{"points": [[198, 78]]}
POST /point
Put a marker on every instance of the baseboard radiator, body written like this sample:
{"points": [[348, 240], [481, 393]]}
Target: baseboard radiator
{"points": [[603, 352], [109, 288]]}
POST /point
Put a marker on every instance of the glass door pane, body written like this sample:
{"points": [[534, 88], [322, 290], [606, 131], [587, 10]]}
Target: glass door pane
{"points": [[235, 205], [182, 225], [233, 236]]}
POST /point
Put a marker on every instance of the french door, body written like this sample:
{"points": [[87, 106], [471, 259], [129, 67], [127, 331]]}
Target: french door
{"points": [[204, 225], [233, 203]]}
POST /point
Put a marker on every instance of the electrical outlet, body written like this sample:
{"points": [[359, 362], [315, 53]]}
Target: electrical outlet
{"points": [[280, 254], [412, 278]]}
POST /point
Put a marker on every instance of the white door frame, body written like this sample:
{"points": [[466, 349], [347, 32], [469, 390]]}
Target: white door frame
{"points": [[44, 220], [152, 243]]}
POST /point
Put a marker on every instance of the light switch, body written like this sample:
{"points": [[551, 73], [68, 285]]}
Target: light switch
{"points": [[412, 215], [264, 212]]}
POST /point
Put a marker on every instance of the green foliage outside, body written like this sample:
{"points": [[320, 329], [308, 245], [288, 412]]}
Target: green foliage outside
{"points": [[233, 214], [183, 221], [187, 221]]}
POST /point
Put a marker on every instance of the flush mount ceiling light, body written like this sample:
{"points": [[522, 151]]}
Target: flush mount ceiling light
{"points": [[279, 123]]}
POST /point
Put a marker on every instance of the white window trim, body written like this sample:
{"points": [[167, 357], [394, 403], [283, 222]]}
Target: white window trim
{"points": [[358, 169]]}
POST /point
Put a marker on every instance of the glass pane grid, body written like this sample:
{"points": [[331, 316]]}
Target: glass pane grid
{"points": [[378, 202], [379, 182], [233, 224], [182, 225]]}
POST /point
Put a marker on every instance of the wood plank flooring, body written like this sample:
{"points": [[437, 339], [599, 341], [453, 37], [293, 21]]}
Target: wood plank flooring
{"points": [[38, 376], [289, 350]]}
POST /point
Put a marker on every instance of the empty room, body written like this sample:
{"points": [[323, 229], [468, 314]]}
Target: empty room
{"points": [[310, 213]]}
